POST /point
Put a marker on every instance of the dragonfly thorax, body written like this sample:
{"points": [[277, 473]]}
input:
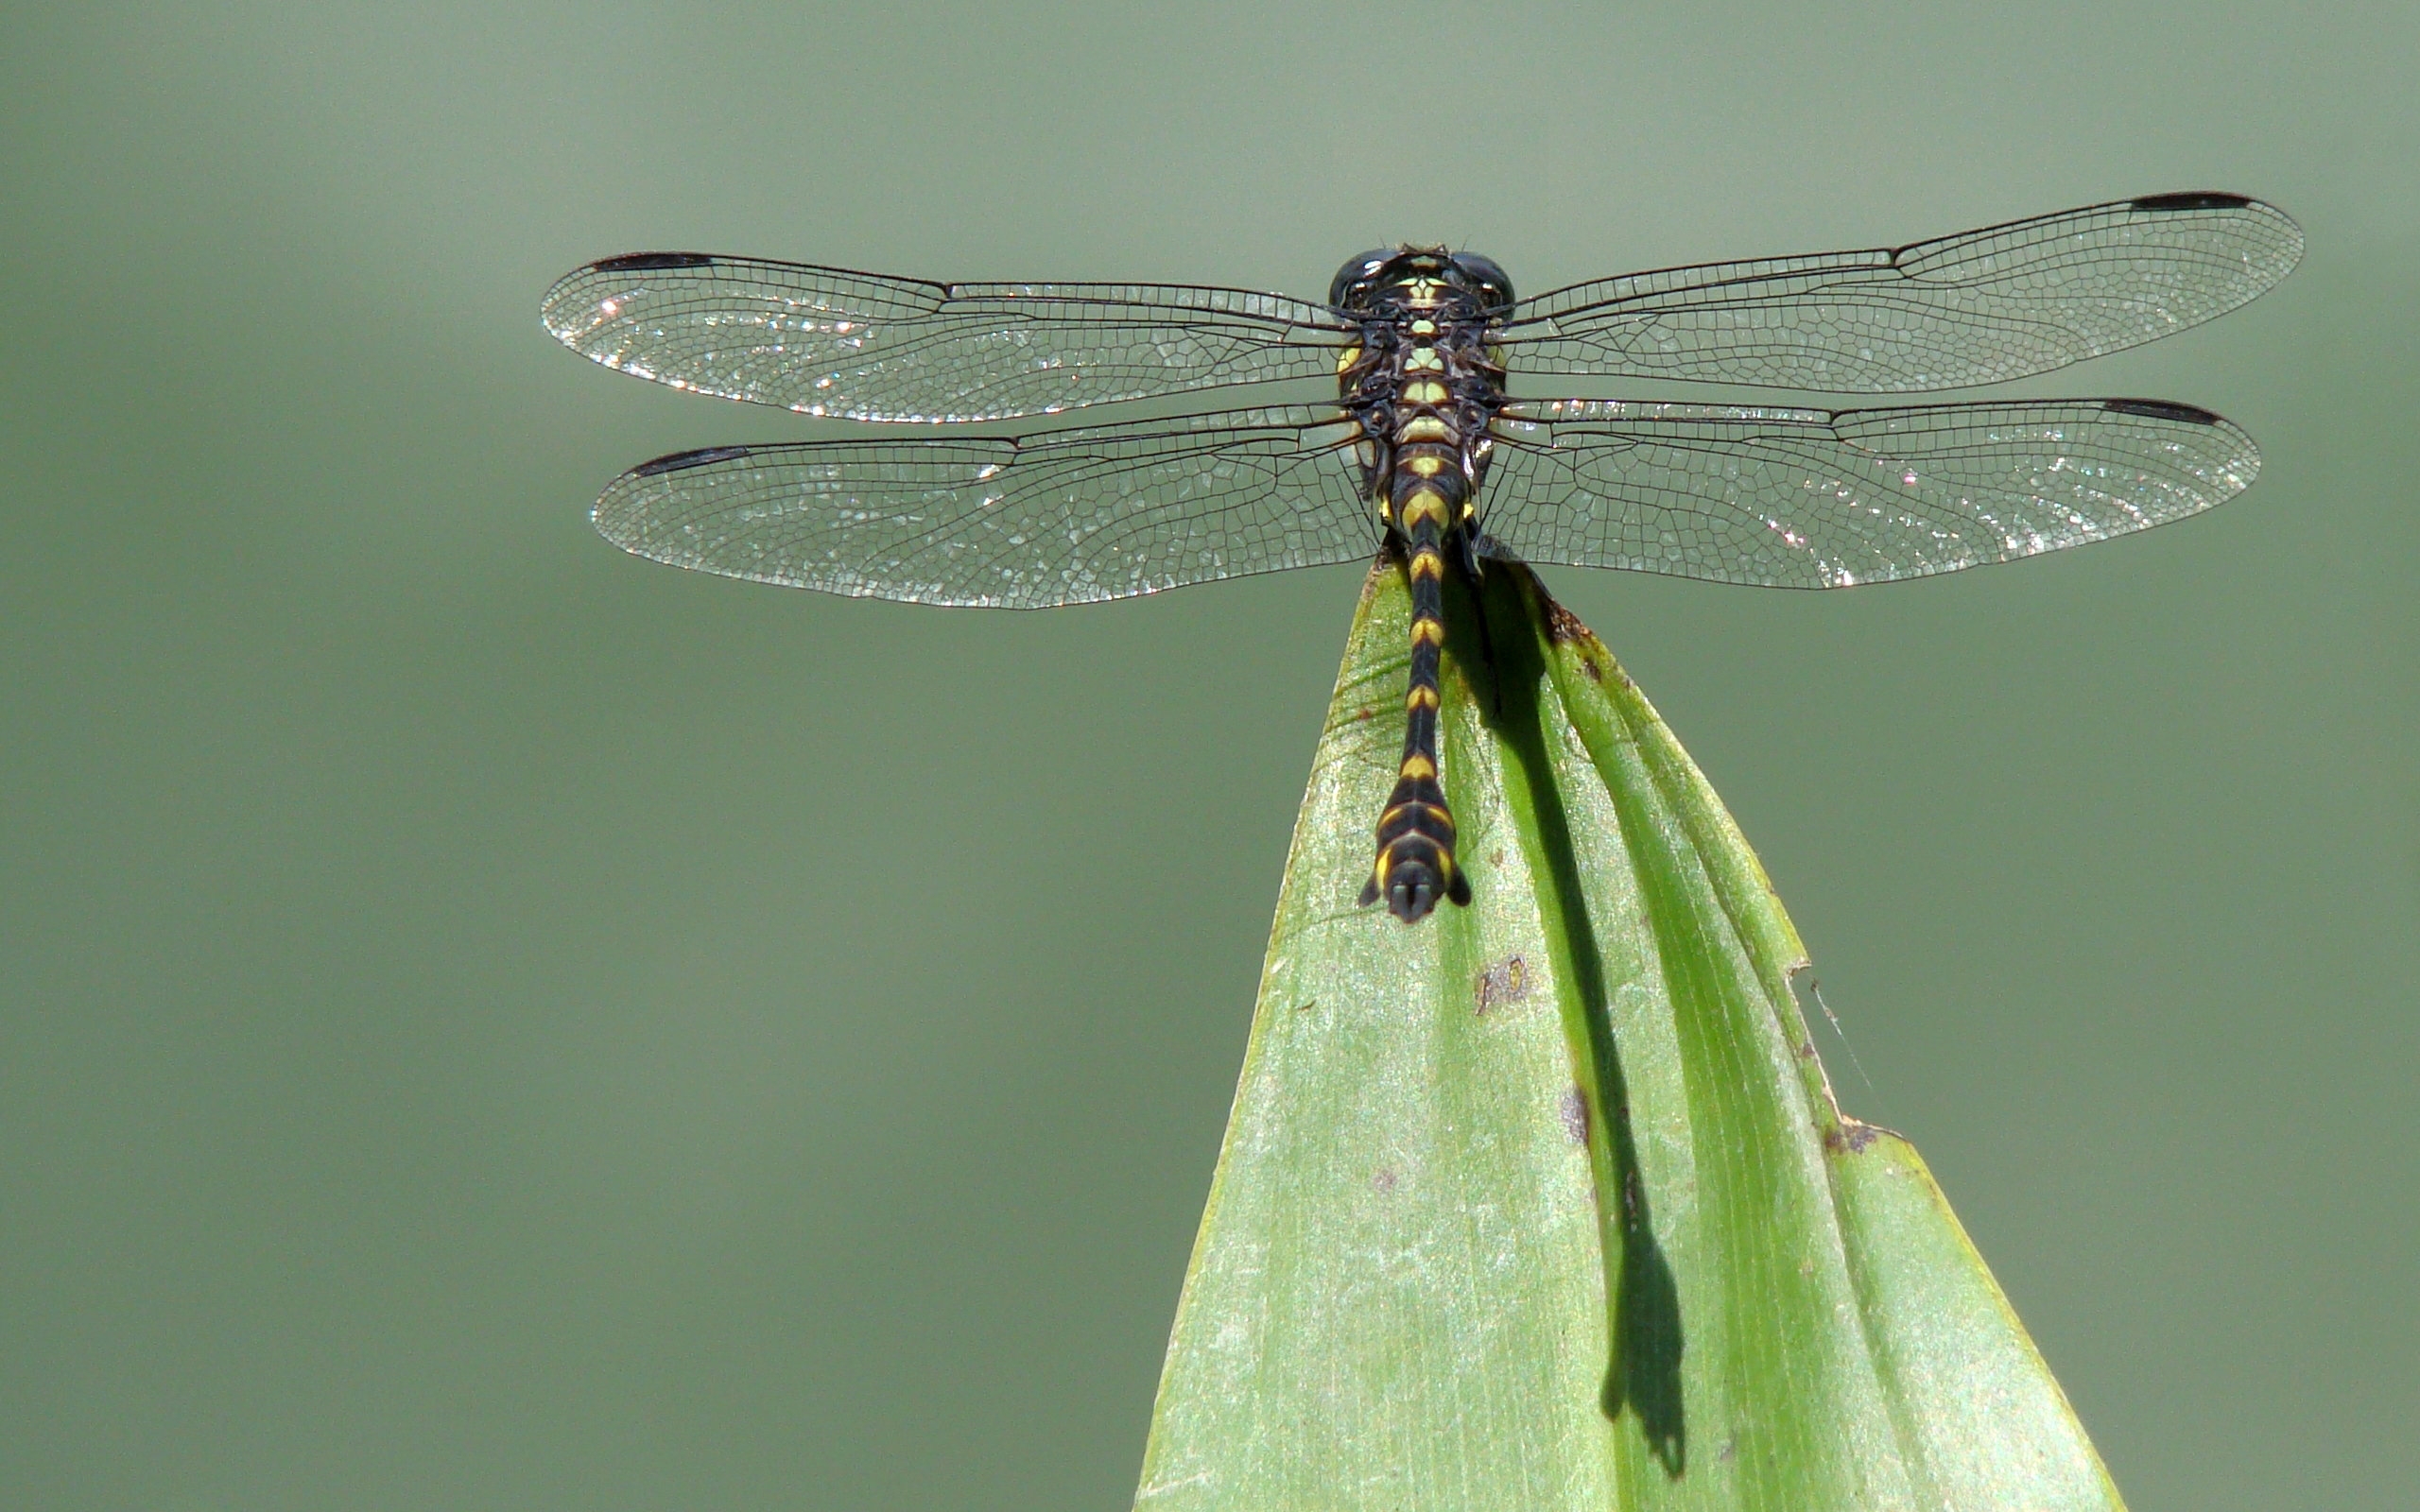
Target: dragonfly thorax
{"points": [[1421, 381]]}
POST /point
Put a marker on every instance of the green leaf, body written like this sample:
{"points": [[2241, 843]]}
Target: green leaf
{"points": [[1545, 1203]]}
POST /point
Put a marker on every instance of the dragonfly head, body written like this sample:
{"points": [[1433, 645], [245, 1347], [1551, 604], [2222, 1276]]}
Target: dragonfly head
{"points": [[1404, 278]]}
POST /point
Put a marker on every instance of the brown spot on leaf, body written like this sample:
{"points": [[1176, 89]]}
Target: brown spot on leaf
{"points": [[1575, 1115], [1564, 629], [1506, 982], [1850, 1137]]}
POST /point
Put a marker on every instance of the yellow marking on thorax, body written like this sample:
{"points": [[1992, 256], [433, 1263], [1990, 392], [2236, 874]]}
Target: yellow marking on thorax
{"points": [[1424, 359], [1427, 391], [1424, 428], [1424, 504], [1424, 328], [1427, 467]]}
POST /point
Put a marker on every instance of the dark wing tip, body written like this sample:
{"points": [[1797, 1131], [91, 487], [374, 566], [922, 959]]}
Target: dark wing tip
{"points": [[2190, 200], [2162, 409], [650, 262], [681, 461]]}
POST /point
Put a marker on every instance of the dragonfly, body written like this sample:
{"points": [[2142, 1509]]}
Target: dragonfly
{"points": [[1426, 456]]}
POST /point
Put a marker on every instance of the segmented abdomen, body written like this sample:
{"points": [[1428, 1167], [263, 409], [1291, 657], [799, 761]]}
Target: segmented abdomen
{"points": [[1416, 865]]}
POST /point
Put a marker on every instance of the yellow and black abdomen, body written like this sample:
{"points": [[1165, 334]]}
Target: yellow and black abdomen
{"points": [[1427, 501]]}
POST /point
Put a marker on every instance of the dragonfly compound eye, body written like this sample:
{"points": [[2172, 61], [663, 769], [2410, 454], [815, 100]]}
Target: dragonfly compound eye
{"points": [[1493, 285], [1354, 270]]}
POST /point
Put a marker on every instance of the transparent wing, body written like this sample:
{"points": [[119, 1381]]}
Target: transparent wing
{"points": [[1810, 498], [1064, 518], [860, 346], [1976, 308]]}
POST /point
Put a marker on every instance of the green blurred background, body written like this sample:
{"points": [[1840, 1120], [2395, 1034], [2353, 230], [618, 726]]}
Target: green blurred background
{"points": [[493, 1022]]}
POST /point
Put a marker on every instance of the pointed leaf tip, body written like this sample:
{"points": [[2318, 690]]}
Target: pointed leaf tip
{"points": [[1544, 1203]]}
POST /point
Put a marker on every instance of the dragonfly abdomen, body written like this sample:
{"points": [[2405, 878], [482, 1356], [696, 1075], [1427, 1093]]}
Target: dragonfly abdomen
{"points": [[1427, 502], [1416, 865]]}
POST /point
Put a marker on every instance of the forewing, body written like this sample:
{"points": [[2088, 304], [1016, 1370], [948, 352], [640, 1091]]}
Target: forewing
{"points": [[1976, 308], [1064, 518], [860, 346], [1807, 498]]}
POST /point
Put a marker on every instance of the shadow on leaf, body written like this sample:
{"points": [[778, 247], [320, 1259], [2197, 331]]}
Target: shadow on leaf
{"points": [[1644, 1312]]}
